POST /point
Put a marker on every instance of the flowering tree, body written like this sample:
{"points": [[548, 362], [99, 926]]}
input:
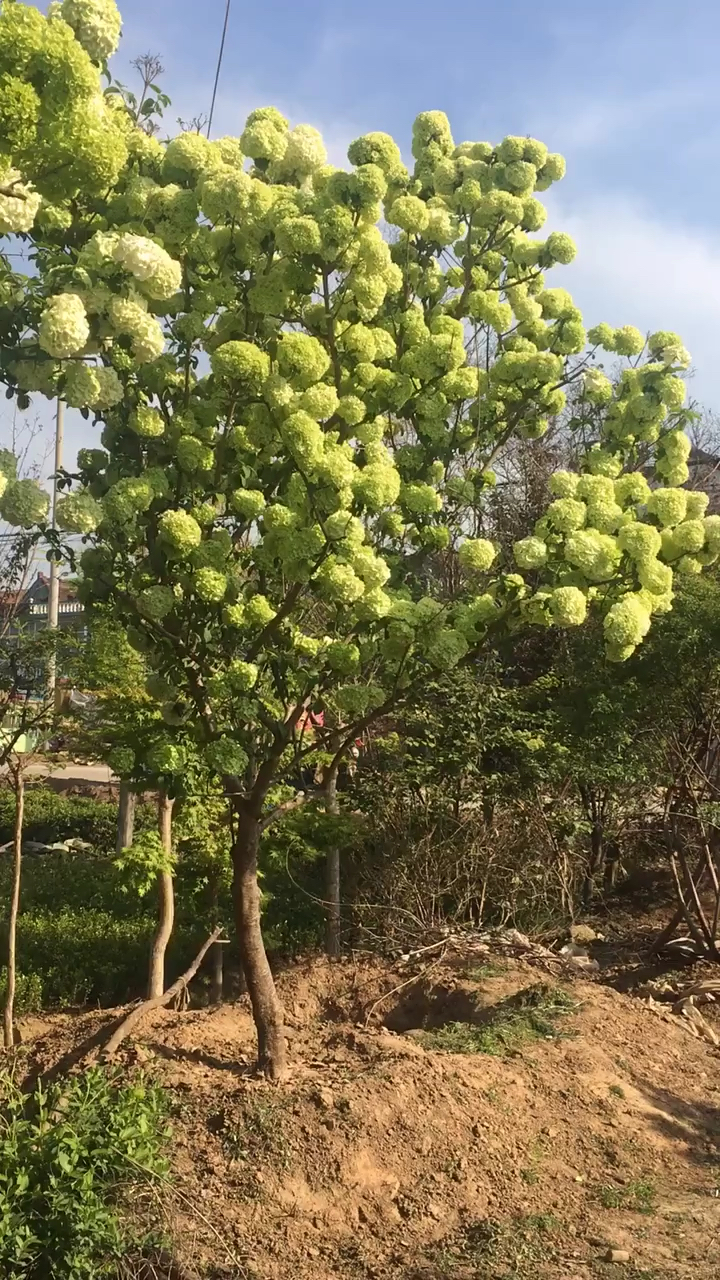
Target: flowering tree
{"points": [[303, 375]]}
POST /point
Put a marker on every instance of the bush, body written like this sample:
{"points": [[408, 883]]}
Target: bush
{"points": [[51, 818], [28, 991], [69, 1161]]}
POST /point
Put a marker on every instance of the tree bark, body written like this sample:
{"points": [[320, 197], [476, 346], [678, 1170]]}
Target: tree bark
{"points": [[126, 817], [332, 871], [266, 1007], [8, 1029], [156, 978], [216, 974]]}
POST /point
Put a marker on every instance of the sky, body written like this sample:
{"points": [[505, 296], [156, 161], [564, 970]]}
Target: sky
{"points": [[627, 91]]}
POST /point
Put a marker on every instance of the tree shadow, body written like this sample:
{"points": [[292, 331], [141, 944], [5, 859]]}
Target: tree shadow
{"points": [[73, 1057], [200, 1056], [695, 1124]]}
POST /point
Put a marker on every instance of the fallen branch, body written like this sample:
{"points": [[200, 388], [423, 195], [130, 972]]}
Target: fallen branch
{"points": [[138, 1013]]}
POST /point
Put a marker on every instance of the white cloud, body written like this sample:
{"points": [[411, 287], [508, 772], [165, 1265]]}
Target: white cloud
{"points": [[634, 269]]}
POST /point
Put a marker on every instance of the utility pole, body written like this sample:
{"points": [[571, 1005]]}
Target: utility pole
{"points": [[54, 596]]}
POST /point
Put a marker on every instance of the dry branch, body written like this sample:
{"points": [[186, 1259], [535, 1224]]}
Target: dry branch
{"points": [[138, 1013]]}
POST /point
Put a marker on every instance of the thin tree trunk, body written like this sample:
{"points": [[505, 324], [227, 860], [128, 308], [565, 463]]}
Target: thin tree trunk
{"points": [[126, 817], [156, 979], [216, 955], [8, 1031], [332, 872], [266, 1007]]}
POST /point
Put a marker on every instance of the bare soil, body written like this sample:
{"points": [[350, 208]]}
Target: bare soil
{"points": [[384, 1156]]}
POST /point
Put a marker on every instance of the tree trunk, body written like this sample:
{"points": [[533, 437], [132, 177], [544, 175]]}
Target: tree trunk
{"points": [[332, 872], [8, 1032], [156, 979], [266, 1007], [126, 817], [593, 811], [216, 954]]}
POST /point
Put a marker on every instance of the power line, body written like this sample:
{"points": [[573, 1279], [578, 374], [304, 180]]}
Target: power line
{"points": [[219, 66]]}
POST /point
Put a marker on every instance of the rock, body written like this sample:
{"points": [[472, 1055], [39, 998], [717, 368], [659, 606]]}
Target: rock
{"points": [[617, 1255], [312, 1252], [324, 1099], [583, 934]]}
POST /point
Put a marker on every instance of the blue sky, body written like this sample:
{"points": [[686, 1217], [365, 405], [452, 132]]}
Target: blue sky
{"points": [[628, 92]]}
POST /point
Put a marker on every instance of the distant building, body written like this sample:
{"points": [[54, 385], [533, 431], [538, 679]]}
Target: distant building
{"points": [[28, 608]]}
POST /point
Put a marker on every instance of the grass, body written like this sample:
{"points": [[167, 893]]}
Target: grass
{"points": [[253, 1135], [490, 969], [638, 1196], [617, 1091], [499, 1250], [533, 1014]]}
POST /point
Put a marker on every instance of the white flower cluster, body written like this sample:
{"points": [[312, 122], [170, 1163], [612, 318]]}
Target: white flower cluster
{"points": [[19, 204], [96, 24], [64, 328]]}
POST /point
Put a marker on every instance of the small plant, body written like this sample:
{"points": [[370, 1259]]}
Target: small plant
{"points": [[70, 1157], [532, 1014], [617, 1091], [490, 969], [499, 1250], [28, 992], [254, 1134], [637, 1197]]}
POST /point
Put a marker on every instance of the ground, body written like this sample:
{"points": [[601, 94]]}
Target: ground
{"points": [[586, 1128]]}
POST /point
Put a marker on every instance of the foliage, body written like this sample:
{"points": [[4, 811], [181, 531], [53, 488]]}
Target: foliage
{"points": [[51, 817], [531, 1015], [142, 863], [69, 1157], [28, 991]]}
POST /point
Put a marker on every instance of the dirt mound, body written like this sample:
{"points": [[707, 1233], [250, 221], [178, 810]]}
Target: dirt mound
{"points": [[469, 1122]]}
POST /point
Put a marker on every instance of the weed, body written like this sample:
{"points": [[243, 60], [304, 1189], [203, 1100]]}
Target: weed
{"points": [[532, 1014], [71, 1156], [490, 969], [637, 1196], [529, 1175], [255, 1134], [500, 1250], [617, 1091]]}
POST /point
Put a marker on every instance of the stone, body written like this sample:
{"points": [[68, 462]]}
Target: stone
{"points": [[324, 1099], [617, 1255]]}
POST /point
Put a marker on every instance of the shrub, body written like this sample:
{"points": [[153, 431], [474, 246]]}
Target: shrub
{"points": [[51, 818], [69, 1159]]}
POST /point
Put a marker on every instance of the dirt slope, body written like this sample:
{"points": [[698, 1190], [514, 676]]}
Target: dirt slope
{"points": [[384, 1156]]}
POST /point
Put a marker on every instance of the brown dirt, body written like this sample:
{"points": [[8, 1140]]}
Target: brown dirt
{"points": [[380, 1158]]}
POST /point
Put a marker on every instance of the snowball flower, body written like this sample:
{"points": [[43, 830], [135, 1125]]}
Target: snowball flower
{"points": [[78, 513], [563, 484], [248, 503], [180, 532], [304, 151], [640, 541], [628, 341], [632, 487], [627, 622], [64, 328], [158, 274], [655, 576], [241, 362], [210, 585], [595, 554], [156, 602], [146, 422], [567, 514], [597, 388], [145, 332], [568, 606], [530, 553], [241, 676], [476, 554], [669, 505], [258, 612], [338, 582], [96, 24], [689, 535], [24, 503], [420, 499], [19, 204], [343, 657], [226, 756]]}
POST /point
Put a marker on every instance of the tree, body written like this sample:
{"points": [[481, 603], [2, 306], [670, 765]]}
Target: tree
{"points": [[300, 418]]}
